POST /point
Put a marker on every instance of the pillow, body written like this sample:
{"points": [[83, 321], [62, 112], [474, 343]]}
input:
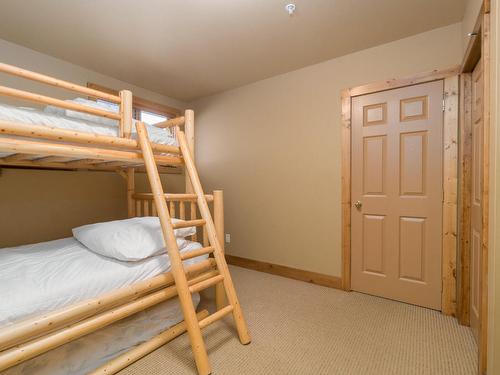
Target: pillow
{"points": [[109, 107], [105, 106], [129, 240], [54, 110]]}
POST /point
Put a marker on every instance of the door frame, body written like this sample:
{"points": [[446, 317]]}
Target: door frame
{"points": [[450, 182], [478, 48]]}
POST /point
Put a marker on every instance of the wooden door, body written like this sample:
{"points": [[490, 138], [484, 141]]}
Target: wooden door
{"points": [[397, 193], [476, 197]]}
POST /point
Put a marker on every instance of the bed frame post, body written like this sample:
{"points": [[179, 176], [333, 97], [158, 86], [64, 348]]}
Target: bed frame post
{"points": [[220, 297], [189, 132], [125, 113], [130, 192]]}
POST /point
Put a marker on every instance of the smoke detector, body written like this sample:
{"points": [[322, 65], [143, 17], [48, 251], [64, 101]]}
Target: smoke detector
{"points": [[290, 8]]}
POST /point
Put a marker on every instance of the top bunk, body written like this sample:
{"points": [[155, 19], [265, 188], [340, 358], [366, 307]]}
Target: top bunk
{"points": [[96, 132]]}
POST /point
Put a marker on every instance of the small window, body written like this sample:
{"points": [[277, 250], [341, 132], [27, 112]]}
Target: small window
{"points": [[151, 118]]}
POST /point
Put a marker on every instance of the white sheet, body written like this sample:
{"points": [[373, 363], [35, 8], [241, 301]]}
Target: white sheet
{"points": [[89, 352], [38, 117], [39, 278]]}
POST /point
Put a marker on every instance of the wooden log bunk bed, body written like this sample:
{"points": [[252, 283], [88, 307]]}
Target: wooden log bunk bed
{"points": [[30, 144]]}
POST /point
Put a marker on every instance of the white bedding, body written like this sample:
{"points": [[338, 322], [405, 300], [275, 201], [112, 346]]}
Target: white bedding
{"points": [[39, 278], [81, 356], [38, 117]]}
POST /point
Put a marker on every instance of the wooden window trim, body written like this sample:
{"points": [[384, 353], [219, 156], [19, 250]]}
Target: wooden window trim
{"points": [[140, 103]]}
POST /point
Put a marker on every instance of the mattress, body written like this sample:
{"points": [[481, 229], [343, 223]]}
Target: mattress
{"points": [[38, 117], [81, 356], [43, 277]]}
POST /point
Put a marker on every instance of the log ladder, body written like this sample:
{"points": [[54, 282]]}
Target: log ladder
{"points": [[184, 289]]}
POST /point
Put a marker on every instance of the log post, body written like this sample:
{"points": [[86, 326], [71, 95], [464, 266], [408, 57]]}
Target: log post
{"points": [[125, 113], [130, 192], [189, 132], [220, 296]]}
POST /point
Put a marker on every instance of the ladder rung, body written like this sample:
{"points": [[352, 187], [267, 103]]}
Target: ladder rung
{"points": [[189, 223], [202, 277], [215, 316], [206, 284], [197, 252]]}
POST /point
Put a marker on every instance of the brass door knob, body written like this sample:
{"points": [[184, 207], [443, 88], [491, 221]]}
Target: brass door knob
{"points": [[358, 205]]}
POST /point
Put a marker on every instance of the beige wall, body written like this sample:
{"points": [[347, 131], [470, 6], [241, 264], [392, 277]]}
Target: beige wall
{"points": [[29, 59], [43, 205], [274, 147], [472, 9]]}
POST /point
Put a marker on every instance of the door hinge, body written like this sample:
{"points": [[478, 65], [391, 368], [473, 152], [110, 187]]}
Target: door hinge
{"points": [[444, 104]]}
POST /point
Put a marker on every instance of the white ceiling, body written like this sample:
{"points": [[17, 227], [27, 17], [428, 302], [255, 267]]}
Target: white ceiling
{"points": [[192, 48]]}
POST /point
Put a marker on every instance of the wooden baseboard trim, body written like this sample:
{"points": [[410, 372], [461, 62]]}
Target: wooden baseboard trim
{"points": [[284, 271]]}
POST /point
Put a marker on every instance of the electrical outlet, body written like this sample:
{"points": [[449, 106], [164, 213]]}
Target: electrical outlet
{"points": [[228, 238]]}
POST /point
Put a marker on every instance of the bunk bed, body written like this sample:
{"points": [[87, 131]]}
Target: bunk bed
{"points": [[61, 291]]}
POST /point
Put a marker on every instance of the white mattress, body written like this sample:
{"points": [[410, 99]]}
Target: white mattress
{"points": [[81, 356], [38, 117], [39, 278]]}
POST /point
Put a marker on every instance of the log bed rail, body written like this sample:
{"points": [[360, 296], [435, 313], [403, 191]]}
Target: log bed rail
{"points": [[56, 148]]}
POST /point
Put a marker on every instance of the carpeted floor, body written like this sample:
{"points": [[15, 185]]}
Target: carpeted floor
{"points": [[300, 328]]}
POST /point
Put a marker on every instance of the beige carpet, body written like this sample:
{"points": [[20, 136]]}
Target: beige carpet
{"points": [[300, 328]]}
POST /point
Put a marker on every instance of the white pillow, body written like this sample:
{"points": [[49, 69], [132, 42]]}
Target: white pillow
{"points": [[129, 240], [109, 107], [160, 133]]}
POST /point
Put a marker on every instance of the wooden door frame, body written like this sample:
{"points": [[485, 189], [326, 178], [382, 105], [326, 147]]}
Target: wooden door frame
{"points": [[450, 158], [478, 48]]}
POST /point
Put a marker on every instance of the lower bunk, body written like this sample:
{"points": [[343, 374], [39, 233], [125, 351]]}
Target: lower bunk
{"points": [[68, 310], [89, 353]]}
